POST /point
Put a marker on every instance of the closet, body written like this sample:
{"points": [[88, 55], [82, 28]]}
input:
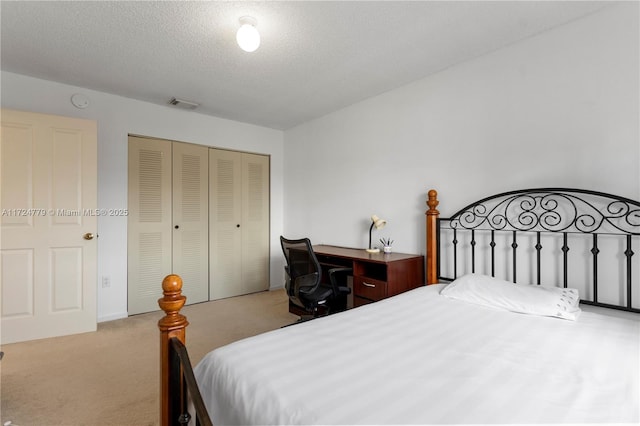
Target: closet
{"points": [[168, 220], [198, 212], [239, 218]]}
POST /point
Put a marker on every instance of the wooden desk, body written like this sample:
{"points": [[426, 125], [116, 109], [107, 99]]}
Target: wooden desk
{"points": [[376, 276]]}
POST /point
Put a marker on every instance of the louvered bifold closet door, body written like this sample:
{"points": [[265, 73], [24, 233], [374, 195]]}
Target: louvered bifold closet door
{"points": [[255, 222], [225, 242], [191, 219], [149, 222], [239, 223]]}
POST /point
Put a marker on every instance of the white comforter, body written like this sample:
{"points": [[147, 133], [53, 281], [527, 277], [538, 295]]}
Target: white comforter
{"points": [[420, 358]]}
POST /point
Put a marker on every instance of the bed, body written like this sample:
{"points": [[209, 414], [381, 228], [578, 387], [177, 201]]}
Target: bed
{"points": [[496, 337]]}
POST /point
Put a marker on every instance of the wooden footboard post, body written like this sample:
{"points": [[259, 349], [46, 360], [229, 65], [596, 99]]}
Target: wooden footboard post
{"points": [[432, 240], [173, 324]]}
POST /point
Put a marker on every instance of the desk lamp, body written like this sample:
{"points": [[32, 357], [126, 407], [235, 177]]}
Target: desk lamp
{"points": [[379, 224]]}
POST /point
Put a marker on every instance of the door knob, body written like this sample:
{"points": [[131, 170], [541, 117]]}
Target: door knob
{"points": [[88, 236]]}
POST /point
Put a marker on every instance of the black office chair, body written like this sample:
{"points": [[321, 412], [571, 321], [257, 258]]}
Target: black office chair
{"points": [[304, 280]]}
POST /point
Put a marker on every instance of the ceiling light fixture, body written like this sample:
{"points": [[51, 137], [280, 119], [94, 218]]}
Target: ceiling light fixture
{"points": [[248, 36]]}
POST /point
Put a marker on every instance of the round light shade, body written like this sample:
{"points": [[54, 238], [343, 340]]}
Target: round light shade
{"points": [[248, 36], [377, 222]]}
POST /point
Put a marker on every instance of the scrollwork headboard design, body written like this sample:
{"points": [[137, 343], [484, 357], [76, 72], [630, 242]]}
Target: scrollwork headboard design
{"points": [[560, 212], [552, 210]]}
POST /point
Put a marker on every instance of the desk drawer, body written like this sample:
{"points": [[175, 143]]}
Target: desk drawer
{"points": [[369, 288]]}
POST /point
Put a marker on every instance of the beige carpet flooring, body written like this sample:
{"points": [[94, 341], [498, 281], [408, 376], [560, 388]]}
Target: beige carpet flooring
{"points": [[111, 377]]}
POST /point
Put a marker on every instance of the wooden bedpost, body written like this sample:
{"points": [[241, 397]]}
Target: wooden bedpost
{"points": [[432, 242], [173, 324]]}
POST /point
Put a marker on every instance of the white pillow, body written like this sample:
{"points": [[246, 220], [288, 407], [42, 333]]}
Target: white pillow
{"points": [[522, 298]]}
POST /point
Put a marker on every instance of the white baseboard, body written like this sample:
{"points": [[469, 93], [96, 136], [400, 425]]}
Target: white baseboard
{"points": [[112, 317]]}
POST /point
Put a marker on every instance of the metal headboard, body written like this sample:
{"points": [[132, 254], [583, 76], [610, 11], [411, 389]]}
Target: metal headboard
{"points": [[540, 212]]}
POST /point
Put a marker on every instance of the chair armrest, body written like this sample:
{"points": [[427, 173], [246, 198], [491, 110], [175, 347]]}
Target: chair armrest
{"points": [[345, 271], [344, 289], [336, 273]]}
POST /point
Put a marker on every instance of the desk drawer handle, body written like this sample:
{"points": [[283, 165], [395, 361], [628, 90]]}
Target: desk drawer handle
{"points": [[368, 285]]}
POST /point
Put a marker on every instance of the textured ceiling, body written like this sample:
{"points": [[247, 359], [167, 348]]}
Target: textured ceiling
{"points": [[315, 57]]}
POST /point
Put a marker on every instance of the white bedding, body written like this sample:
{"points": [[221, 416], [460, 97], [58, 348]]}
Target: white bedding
{"points": [[421, 358]]}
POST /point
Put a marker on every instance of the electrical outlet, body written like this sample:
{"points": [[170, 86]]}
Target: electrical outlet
{"points": [[106, 282]]}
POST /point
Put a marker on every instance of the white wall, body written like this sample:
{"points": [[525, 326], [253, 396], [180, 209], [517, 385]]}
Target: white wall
{"points": [[117, 117], [557, 109]]}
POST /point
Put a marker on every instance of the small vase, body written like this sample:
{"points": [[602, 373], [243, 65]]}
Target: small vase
{"points": [[387, 249]]}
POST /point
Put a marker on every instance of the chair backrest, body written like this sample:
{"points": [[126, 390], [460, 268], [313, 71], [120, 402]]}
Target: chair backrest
{"points": [[301, 260]]}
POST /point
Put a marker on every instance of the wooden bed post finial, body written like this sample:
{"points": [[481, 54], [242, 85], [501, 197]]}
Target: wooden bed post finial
{"points": [[171, 303], [432, 202], [173, 324], [432, 240]]}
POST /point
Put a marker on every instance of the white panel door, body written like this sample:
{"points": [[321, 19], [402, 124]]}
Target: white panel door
{"points": [[225, 186], [149, 222], [49, 220], [191, 219]]}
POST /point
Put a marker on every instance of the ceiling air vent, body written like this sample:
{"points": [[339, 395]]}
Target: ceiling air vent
{"points": [[181, 103]]}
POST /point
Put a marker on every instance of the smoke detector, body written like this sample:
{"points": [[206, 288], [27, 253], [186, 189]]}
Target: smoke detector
{"points": [[181, 103]]}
